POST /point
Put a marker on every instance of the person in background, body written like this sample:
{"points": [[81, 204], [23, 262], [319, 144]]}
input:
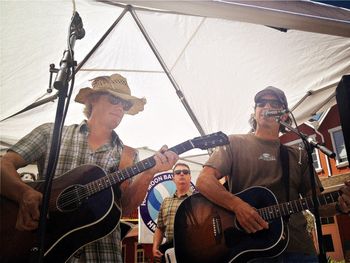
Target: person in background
{"points": [[166, 216], [93, 141], [255, 160]]}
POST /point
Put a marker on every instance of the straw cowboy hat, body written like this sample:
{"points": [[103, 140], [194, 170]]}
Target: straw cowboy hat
{"points": [[117, 86]]}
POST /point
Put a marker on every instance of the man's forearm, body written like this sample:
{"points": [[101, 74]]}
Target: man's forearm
{"points": [[157, 238], [212, 189], [11, 184], [134, 194]]}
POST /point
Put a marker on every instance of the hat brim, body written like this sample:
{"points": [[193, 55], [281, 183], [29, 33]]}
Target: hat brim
{"points": [[137, 103], [271, 91]]}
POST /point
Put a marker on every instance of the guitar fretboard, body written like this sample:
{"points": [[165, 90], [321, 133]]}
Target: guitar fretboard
{"points": [[296, 206], [204, 142]]}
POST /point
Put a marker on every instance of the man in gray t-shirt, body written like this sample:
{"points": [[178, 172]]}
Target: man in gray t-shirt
{"points": [[255, 160]]}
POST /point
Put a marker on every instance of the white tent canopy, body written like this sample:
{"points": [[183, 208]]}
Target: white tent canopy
{"points": [[218, 54]]}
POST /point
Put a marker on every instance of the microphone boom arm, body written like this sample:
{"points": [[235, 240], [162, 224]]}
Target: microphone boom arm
{"points": [[307, 138], [310, 144]]}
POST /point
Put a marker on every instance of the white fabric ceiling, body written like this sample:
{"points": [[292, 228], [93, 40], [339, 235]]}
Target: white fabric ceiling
{"points": [[218, 63]]}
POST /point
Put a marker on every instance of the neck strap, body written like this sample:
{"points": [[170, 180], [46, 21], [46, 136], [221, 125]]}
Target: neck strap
{"points": [[285, 168]]}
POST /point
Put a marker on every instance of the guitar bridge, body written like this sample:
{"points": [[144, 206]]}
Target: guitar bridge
{"points": [[217, 228]]}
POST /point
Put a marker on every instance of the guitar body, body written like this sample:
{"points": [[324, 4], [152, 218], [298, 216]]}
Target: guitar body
{"points": [[67, 231], [207, 233]]}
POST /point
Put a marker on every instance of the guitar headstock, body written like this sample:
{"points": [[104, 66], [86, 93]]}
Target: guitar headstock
{"points": [[210, 140]]}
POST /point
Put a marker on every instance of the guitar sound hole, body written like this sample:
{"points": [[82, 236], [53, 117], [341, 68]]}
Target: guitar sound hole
{"points": [[71, 198]]}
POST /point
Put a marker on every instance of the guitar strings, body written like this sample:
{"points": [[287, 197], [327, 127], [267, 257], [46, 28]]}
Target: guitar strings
{"points": [[284, 209], [79, 194], [71, 196]]}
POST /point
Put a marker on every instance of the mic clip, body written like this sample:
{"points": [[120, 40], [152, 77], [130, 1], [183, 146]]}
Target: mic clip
{"points": [[275, 113]]}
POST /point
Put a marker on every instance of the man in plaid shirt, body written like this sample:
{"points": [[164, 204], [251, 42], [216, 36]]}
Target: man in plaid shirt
{"points": [[167, 211], [94, 141]]}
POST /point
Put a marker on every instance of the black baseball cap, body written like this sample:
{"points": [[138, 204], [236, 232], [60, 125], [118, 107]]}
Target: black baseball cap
{"points": [[279, 94]]}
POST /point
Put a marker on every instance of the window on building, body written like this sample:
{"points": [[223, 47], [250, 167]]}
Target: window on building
{"points": [[339, 146], [140, 255], [328, 243], [315, 155], [327, 220]]}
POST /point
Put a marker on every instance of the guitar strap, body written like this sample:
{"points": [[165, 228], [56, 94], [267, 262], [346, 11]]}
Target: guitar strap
{"points": [[127, 157], [285, 170], [126, 160]]}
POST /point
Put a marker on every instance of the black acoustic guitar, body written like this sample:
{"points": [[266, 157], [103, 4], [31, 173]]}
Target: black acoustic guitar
{"points": [[207, 233], [81, 208]]}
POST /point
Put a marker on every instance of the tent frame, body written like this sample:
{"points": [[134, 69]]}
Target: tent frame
{"points": [[179, 93]]}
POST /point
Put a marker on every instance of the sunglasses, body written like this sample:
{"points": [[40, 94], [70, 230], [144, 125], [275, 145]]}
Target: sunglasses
{"points": [[116, 100], [184, 171], [273, 103]]}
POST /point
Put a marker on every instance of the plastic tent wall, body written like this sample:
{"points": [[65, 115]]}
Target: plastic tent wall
{"points": [[218, 61]]}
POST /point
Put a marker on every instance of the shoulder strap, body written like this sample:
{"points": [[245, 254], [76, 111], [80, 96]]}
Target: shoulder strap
{"points": [[127, 157], [285, 168], [126, 160]]}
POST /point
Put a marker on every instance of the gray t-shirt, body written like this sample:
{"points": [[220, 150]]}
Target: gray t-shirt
{"points": [[250, 161]]}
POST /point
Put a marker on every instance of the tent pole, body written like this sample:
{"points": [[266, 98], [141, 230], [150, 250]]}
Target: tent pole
{"points": [[54, 97], [101, 40], [316, 109], [166, 70], [34, 105], [311, 92], [156, 53]]}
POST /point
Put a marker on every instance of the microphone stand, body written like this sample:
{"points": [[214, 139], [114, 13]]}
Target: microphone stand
{"points": [[76, 31], [310, 145]]}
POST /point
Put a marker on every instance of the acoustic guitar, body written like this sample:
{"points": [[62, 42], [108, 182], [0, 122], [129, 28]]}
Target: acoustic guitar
{"points": [[81, 208], [207, 233]]}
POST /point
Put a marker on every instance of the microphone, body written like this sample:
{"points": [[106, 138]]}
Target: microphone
{"points": [[77, 27], [275, 113], [76, 31]]}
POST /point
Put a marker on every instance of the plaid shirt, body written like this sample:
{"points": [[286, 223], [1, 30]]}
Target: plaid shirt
{"points": [[75, 151], [167, 211]]}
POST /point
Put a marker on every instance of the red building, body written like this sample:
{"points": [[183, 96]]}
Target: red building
{"points": [[326, 128]]}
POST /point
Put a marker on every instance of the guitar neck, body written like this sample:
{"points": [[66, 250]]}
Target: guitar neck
{"points": [[122, 175], [146, 164], [296, 206], [202, 142]]}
